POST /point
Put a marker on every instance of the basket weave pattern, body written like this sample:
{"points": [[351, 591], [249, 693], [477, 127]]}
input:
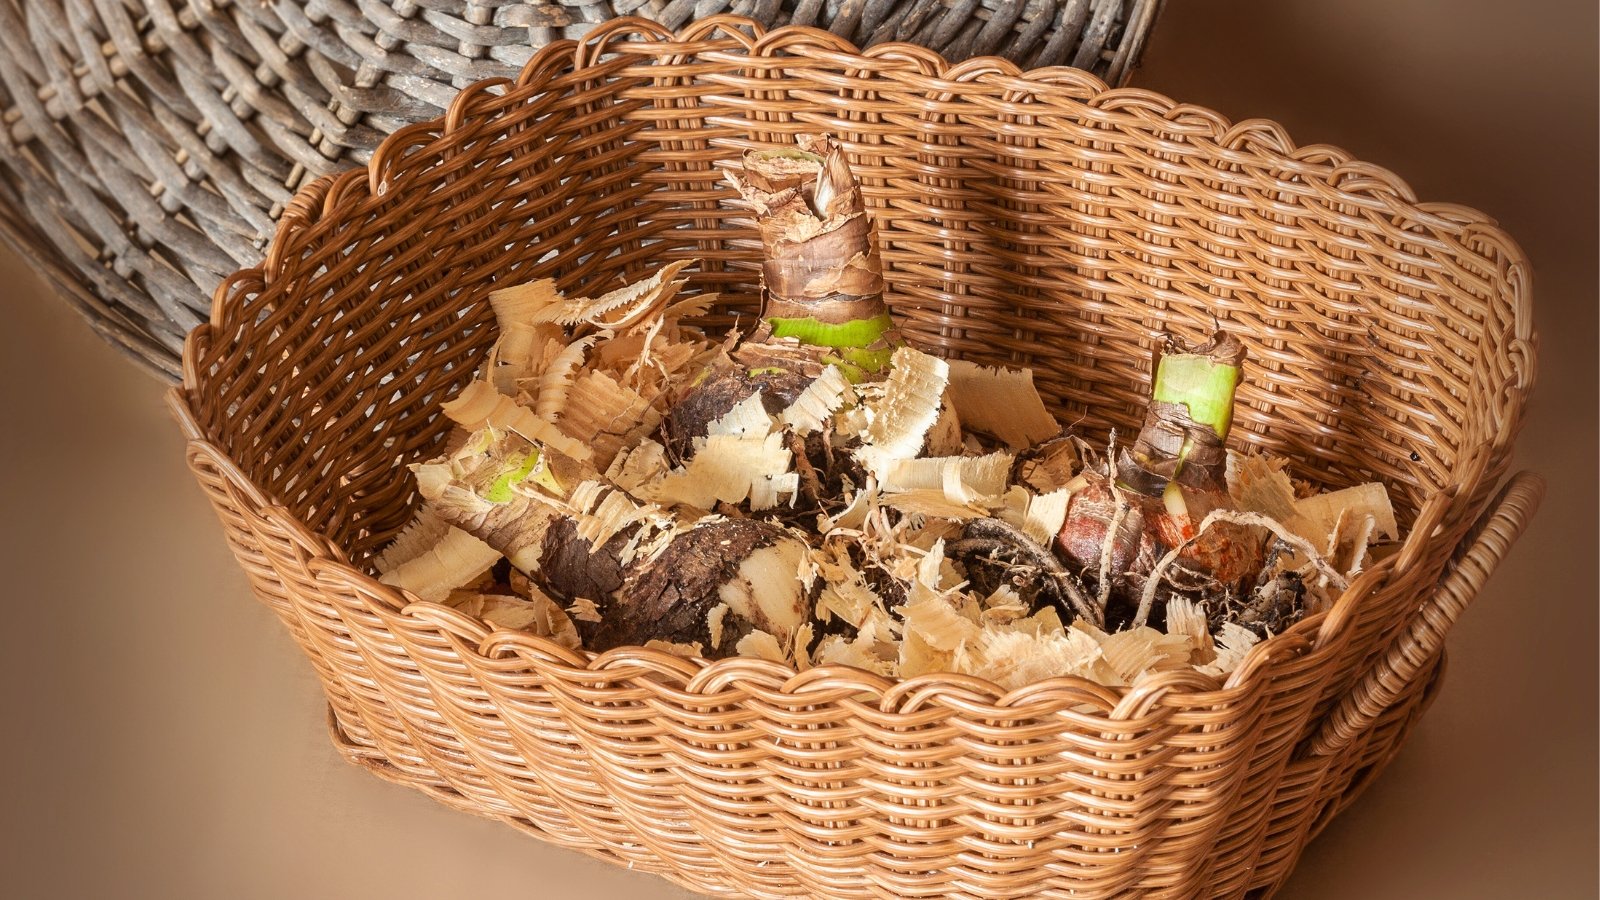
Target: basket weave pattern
{"points": [[1033, 218], [148, 147]]}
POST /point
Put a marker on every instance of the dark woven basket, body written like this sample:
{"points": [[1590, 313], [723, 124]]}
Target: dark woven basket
{"points": [[147, 148]]}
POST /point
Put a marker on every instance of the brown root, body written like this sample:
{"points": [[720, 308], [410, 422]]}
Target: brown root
{"points": [[1271, 608], [995, 553], [1048, 466]]}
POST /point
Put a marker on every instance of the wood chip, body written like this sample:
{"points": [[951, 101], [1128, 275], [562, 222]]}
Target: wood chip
{"points": [[730, 469], [584, 610], [901, 417], [687, 651], [421, 535], [1000, 402], [457, 558], [1234, 642], [761, 645], [818, 402], [1039, 516]]}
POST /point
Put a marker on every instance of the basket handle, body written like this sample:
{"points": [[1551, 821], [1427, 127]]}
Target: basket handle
{"points": [[1486, 545]]}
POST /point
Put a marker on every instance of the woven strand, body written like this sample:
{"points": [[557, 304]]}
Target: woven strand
{"points": [[1026, 218], [147, 149]]}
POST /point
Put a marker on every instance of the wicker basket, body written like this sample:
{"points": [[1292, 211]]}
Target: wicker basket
{"points": [[147, 147], [1027, 218]]}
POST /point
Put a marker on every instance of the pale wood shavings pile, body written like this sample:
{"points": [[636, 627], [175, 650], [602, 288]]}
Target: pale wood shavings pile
{"points": [[569, 406]]}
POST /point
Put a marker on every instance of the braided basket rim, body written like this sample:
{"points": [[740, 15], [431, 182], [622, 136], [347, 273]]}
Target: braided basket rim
{"points": [[316, 206]]}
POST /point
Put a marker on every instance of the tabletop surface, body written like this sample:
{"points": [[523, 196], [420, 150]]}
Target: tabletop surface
{"points": [[166, 739]]}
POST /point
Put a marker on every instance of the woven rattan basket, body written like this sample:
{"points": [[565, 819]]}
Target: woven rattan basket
{"points": [[148, 147], [1026, 218]]}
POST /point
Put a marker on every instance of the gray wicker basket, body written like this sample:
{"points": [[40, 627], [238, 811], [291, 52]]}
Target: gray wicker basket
{"points": [[148, 146]]}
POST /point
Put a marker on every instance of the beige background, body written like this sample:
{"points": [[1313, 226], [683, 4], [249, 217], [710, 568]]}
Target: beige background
{"points": [[164, 739]]}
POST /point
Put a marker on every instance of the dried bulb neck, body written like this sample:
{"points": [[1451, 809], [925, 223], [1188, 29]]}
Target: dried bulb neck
{"points": [[822, 276]]}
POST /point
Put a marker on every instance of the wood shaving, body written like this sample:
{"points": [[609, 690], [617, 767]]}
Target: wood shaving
{"points": [[520, 303], [937, 622], [599, 412], [601, 512], [1038, 515], [1137, 650], [730, 469], [1234, 642], [1000, 402], [815, 406], [854, 515], [584, 610], [1015, 659], [480, 406], [556, 380], [688, 651], [1052, 466], [417, 538], [863, 652], [1322, 511], [945, 437], [747, 419], [799, 651], [456, 558], [1188, 618], [761, 645], [1259, 484], [933, 504], [585, 384], [521, 341], [845, 593], [625, 306], [1358, 541], [962, 479], [632, 469], [899, 420], [536, 614]]}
